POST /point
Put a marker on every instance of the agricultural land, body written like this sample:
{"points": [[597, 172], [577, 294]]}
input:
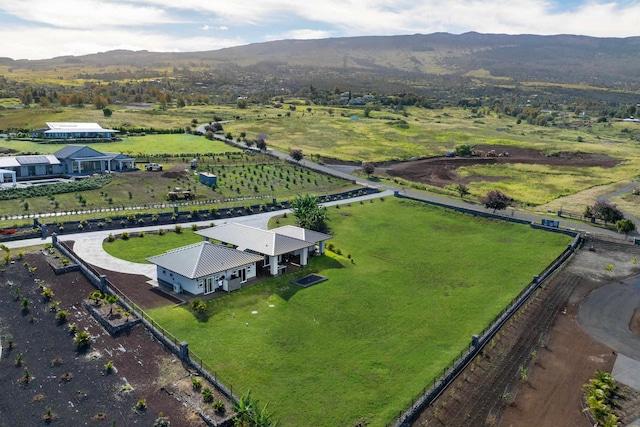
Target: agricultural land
{"points": [[408, 284]]}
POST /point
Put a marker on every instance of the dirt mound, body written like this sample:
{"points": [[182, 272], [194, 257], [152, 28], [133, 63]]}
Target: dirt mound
{"points": [[442, 171]]}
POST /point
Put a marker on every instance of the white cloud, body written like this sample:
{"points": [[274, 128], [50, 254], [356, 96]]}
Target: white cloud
{"points": [[81, 42], [85, 13], [300, 35], [118, 23]]}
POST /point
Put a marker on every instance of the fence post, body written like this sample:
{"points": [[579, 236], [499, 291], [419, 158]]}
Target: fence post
{"points": [[184, 351], [103, 282]]}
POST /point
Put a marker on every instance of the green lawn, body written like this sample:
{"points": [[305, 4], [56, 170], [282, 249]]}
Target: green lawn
{"points": [[361, 345], [137, 145], [137, 249]]}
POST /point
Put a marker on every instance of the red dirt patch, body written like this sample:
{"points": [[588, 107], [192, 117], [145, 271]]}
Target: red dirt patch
{"points": [[442, 171]]}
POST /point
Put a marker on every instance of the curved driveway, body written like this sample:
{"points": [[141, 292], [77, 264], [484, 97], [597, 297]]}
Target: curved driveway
{"points": [[89, 245]]}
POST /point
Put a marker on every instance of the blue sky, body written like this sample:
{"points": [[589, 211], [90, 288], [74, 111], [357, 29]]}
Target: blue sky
{"points": [[38, 29]]}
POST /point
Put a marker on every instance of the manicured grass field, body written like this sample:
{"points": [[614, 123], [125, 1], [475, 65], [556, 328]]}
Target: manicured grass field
{"points": [[137, 146], [138, 249], [360, 346]]}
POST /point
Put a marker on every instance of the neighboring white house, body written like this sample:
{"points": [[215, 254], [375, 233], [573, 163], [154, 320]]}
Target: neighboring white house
{"points": [[275, 246], [203, 267], [57, 130]]}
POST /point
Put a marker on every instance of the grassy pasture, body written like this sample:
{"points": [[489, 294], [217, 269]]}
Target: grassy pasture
{"points": [[540, 184], [385, 135], [364, 343], [137, 146]]}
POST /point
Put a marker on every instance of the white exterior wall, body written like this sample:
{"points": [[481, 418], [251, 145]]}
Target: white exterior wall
{"points": [[197, 286]]}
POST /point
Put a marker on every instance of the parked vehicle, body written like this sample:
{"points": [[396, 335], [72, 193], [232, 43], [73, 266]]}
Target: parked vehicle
{"points": [[153, 167], [179, 193]]}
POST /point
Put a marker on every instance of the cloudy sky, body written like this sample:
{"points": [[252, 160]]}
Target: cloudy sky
{"points": [[37, 29]]}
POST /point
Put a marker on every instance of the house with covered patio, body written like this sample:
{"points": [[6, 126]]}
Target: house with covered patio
{"points": [[204, 267], [277, 247], [83, 160]]}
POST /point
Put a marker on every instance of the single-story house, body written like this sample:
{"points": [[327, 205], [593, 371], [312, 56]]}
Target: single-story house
{"points": [[40, 165], [55, 130], [203, 267], [69, 160], [80, 159], [273, 245]]}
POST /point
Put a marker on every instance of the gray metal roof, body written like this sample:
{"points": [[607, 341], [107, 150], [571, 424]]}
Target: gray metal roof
{"points": [[300, 233], [257, 240], [203, 259], [38, 159]]}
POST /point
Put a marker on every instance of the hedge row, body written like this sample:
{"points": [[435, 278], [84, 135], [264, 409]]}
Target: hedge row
{"points": [[91, 183]]}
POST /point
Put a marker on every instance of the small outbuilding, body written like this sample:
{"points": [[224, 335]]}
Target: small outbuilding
{"points": [[208, 179], [205, 267]]}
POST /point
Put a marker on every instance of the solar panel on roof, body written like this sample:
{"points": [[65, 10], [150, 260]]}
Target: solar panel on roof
{"points": [[32, 160]]}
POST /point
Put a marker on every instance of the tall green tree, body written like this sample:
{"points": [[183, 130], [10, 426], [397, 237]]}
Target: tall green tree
{"points": [[625, 226], [309, 213]]}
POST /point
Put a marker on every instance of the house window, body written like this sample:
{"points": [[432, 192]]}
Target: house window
{"points": [[31, 170], [200, 283]]}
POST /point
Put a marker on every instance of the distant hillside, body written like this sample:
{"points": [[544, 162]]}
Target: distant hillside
{"points": [[560, 59]]}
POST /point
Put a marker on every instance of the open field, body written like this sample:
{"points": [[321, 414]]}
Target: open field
{"points": [[361, 345], [137, 146], [387, 135]]}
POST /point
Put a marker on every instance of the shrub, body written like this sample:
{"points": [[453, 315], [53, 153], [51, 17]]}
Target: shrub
{"points": [[141, 405], [47, 294], [61, 316], [177, 229], [218, 406], [196, 383], [207, 395], [194, 227], [124, 235], [161, 232], [198, 305], [108, 367], [82, 340], [111, 237], [73, 328]]}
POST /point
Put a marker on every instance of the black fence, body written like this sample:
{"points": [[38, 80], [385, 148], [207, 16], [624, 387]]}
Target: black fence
{"points": [[458, 364], [170, 341]]}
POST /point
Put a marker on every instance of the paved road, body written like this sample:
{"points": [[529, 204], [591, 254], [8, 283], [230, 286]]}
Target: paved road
{"points": [[606, 313]]}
